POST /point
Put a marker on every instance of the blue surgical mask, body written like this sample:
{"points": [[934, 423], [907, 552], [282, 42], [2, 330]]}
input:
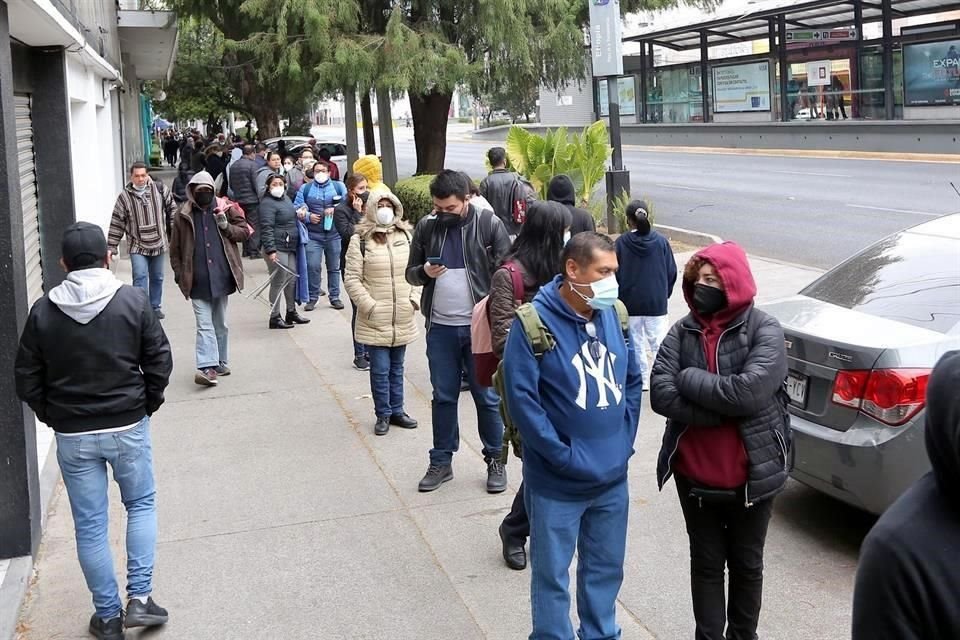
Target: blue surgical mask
{"points": [[605, 292]]}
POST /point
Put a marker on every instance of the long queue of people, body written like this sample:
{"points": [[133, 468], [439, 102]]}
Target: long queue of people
{"points": [[577, 330]]}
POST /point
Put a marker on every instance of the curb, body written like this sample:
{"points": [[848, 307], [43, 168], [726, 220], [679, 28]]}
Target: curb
{"points": [[933, 158], [686, 236]]}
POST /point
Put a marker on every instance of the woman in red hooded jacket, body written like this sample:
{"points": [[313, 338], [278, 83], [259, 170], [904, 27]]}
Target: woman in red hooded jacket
{"points": [[718, 379]]}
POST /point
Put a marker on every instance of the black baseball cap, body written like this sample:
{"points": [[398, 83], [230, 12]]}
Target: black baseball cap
{"points": [[84, 246]]}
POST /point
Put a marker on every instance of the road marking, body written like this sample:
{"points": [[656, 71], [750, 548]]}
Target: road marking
{"points": [[918, 213], [819, 175], [677, 186]]}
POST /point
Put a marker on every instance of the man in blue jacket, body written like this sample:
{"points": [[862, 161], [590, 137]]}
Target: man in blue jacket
{"points": [[577, 407]]}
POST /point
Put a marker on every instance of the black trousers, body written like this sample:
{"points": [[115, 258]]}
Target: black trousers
{"points": [[516, 526], [251, 246], [725, 535]]}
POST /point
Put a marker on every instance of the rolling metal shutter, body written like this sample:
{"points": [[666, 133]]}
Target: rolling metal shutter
{"points": [[28, 199]]}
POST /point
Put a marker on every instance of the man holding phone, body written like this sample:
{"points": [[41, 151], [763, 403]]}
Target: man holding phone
{"points": [[453, 254]]}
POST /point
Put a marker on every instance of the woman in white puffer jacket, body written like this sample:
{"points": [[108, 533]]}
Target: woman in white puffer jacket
{"points": [[386, 302]]}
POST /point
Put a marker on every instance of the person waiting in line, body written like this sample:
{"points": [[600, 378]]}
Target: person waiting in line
{"points": [[647, 274], [561, 190], [535, 259], [324, 156], [206, 265], [274, 167], [215, 162], [718, 380], [280, 236], [316, 202], [474, 195], [346, 216], [370, 166], [907, 580], [387, 304]]}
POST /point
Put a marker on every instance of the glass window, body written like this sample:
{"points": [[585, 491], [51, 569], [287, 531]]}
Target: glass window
{"points": [[908, 277], [674, 95]]}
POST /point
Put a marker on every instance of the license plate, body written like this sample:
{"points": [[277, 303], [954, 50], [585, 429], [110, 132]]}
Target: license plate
{"points": [[797, 388]]}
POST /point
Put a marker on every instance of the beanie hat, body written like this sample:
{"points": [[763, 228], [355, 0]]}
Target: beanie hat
{"points": [[370, 167]]}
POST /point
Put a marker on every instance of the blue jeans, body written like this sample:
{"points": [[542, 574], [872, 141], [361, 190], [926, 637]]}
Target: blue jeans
{"points": [[83, 463], [358, 349], [148, 275], [212, 331], [318, 252], [448, 352], [597, 530], [386, 379]]}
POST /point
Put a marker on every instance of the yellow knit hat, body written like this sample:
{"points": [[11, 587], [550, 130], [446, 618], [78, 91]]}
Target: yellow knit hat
{"points": [[371, 168]]}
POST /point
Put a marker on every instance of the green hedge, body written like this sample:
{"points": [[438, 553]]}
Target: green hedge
{"points": [[414, 194]]}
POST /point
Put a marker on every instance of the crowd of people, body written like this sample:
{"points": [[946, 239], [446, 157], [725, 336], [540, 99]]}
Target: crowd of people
{"points": [[577, 329]]}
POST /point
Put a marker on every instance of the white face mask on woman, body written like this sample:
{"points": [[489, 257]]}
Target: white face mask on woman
{"points": [[277, 192], [385, 216]]}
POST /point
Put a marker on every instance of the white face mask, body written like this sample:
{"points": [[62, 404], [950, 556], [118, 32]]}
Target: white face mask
{"points": [[385, 216], [566, 237], [277, 192], [287, 167]]}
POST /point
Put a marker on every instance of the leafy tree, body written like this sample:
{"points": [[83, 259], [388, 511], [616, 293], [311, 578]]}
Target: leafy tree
{"points": [[199, 87], [268, 59]]}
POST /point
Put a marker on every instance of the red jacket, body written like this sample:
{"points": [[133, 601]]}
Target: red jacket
{"points": [[715, 456]]}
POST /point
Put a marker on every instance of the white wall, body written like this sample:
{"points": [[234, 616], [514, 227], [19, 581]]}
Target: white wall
{"points": [[932, 113]]}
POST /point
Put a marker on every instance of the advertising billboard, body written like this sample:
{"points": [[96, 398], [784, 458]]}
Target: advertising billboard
{"points": [[931, 74], [628, 97], [741, 87]]}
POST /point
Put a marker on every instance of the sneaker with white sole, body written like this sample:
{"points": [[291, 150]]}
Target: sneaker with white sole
{"points": [[206, 377]]}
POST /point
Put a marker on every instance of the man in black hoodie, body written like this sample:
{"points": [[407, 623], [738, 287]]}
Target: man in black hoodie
{"points": [[93, 363], [908, 582], [561, 190]]}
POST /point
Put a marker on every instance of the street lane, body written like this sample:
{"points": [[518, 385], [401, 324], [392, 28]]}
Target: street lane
{"points": [[811, 211]]}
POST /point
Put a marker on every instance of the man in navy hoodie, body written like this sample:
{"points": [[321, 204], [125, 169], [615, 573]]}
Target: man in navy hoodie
{"points": [[577, 409]]}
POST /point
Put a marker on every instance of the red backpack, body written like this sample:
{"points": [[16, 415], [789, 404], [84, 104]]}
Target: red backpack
{"points": [[520, 196], [485, 361]]}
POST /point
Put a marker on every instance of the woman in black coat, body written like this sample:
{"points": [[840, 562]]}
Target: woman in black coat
{"points": [[279, 237], [718, 379]]}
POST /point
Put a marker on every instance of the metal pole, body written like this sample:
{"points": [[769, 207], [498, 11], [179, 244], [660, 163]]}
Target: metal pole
{"points": [[887, 14], [350, 126], [613, 94], [772, 57], [642, 114], [784, 67], [704, 70], [855, 102]]}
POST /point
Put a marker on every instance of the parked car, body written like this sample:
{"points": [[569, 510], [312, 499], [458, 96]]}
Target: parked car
{"points": [[861, 341], [294, 144]]}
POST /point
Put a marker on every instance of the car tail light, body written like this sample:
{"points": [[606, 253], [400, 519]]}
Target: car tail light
{"points": [[892, 396]]}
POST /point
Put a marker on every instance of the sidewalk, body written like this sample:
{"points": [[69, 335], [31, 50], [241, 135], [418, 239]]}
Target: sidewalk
{"points": [[283, 516]]}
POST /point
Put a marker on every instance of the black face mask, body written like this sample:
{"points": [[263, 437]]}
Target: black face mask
{"points": [[364, 197], [708, 300], [203, 198], [448, 220]]}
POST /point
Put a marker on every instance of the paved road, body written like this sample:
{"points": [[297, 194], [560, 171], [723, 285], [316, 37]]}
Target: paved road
{"points": [[810, 211]]}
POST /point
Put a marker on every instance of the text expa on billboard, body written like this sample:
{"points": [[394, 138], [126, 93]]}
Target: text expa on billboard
{"points": [[606, 32]]}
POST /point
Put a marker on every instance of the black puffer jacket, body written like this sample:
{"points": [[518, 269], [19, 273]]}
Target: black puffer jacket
{"points": [[278, 225], [243, 181], [747, 390], [485, 245]]}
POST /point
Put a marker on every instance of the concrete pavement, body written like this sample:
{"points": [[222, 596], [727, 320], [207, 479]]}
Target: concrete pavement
{"points": [[282, 515]]}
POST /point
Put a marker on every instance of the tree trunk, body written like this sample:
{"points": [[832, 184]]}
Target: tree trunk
{"points": [[268, 121], [369, 136], [430, 113]]}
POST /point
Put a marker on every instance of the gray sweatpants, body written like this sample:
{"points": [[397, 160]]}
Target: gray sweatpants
{"points": [[288, 260]]}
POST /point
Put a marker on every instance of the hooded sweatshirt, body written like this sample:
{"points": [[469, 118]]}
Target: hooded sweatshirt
{"points": [[715, 456], [85, 293], [646, 274], [561, 190], [908, 579], [577, 416]]}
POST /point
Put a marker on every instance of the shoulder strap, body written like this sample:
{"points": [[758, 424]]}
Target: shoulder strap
{"points": [[624, 316], [363, 245], [517, 279], [541, 340]]}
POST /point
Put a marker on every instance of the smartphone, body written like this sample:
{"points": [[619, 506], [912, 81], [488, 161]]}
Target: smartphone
{"points": [[437, 261]]}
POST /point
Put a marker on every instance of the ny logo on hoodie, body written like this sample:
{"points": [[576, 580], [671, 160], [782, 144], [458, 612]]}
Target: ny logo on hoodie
{"points": [[601, 369]]}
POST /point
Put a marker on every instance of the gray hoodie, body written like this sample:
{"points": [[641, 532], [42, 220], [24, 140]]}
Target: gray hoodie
{"points": [[85, 293]]}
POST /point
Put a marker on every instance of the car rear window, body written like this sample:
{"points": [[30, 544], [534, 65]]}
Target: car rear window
{"points": [[908, 277]]}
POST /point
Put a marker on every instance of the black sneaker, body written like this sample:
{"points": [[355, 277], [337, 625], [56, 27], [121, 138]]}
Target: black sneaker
{"points": [[496, 476], [382, 427], [111, 629], [310, 306], [361, 364], [160, 315], [336, 304], [144, 615], [222, 370], [436, 475], [403, 421]]}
